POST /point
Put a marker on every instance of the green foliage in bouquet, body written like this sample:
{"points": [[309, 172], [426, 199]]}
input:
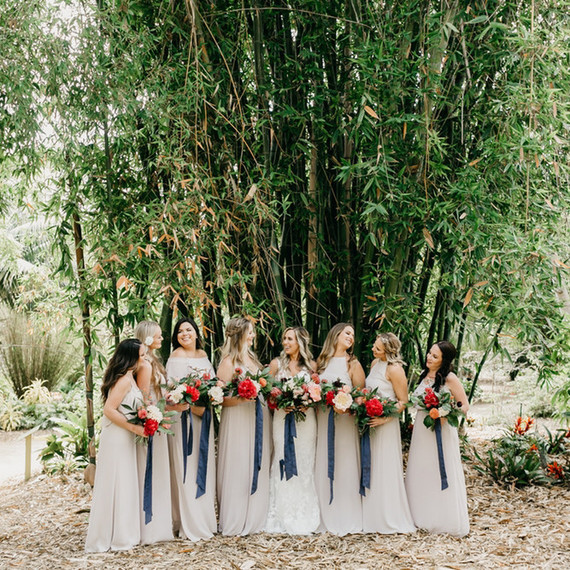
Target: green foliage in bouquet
{"points": [[367, 404]]}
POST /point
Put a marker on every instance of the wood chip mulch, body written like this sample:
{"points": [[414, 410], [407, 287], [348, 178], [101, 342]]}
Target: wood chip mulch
{"points": [[43, 524]]}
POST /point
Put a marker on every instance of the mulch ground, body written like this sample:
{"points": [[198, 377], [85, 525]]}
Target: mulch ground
{"points": [[43, 524]]}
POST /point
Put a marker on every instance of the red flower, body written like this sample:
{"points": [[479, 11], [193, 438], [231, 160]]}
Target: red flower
{"points": [[374, 407], [150, 427], [275, 392], [198, 383], [206, 376], [315, 378], [141, 413], [246, 389], [238, 371], [193, 393], [329, 398], [555, 470], [271, 403], [430, 399], [522, 425]]}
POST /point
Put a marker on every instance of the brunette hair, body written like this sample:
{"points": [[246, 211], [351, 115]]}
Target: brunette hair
{"points": [[175, 342], [329, 346], [124, 358], [448, 353]]}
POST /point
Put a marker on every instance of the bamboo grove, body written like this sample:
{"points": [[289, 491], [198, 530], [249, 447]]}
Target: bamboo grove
{"points": [[399, 165]]}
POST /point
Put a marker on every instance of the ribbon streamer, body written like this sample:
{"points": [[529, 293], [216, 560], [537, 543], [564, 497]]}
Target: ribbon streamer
{"points": [[203, 453], [147, 494], [187, 438], [330, 452], [442, 473], [288, 464], [258, 445], [365, 462]]}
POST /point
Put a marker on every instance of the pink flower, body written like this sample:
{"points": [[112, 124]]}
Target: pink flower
{"points": [[141, 413], [315, 392]]}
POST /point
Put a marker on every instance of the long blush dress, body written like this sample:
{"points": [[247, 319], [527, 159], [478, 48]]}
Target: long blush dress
{"points": [[160, 527], [241, 512], [385, 506], [115, 508], [194, 519], [293, 504], [433, 509], [344, 514]]}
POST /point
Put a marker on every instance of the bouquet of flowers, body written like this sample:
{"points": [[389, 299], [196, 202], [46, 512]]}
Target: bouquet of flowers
{"points": [[368, 404], [152, 417], [197, 390], [297, 393], [248, 386], [441, 405], [337, 395]]}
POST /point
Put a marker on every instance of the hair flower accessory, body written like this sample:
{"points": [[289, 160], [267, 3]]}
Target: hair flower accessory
{"points": [[149, 340]]}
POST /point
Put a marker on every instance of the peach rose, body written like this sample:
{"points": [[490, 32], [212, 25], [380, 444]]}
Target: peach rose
{"points": [[434, 413]]}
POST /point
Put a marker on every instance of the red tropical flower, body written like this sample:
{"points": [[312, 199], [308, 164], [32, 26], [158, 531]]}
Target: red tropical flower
{"points": [[246, 389], [555, 470], [329, 398], [193, 392], [430, 399], [374, 407], [150, 427]]}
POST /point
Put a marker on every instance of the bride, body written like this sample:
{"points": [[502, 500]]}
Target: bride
{"points": [[293, 504]]}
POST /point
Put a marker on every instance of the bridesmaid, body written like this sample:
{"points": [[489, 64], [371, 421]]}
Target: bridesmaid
{"points": [[149, 376], [115, 508], [194, 517], [433, 509], [344, 514], [385, 506], [243, 509], [293, 504]]}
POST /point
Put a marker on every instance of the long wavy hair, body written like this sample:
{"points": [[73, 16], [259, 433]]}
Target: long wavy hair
{"points": [[235, 345], [329, 347], [144, 330], [175, 343], [392, 347], [124, 358], [303, 340], [448, 353]]}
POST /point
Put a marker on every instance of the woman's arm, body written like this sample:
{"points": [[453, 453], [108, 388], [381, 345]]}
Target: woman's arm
{"points": [[225, 373], [397, 377], [274, 367], [143, 378], [356, 373], [457, 391], [114, 399]]}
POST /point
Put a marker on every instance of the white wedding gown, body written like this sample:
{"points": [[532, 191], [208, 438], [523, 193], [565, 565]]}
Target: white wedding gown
{"points": [[293, 504]]}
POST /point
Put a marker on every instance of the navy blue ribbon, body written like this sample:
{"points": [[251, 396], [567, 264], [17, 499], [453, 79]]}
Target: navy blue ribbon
{"points": [[330, 452], [187, 438], [203, 453], [258, 445], [288, 464], [365, 462], [442, 473], [147, 495]]}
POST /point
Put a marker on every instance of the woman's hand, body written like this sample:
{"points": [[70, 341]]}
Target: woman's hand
{"points": [[180, 407], [139, 430], [198, 410], [377, 422]]}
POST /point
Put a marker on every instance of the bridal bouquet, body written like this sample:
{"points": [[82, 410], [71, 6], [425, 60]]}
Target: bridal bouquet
{"points": [[337, 395], [248, 386], [197, 390], [152, 417], [440, 405], [296, 394], [368, 404]]}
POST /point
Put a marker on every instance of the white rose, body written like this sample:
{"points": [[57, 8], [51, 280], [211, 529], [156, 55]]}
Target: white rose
{"points": [[342, 401], [216, 394], [153, 413]]}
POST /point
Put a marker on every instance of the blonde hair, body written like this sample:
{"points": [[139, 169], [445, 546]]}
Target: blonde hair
{"points": [[144, 330], [329, 347], [392, 346], [235, 346], [303, 340]]}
